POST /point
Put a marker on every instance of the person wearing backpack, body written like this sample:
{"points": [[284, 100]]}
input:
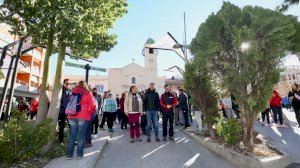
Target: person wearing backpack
{"points": [[110, 108], [78, 120]]}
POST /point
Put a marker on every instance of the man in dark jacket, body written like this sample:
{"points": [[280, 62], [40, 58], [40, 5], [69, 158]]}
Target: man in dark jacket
{"points": [[168, 101], [184, 107], [151, 106], [66, 92]]}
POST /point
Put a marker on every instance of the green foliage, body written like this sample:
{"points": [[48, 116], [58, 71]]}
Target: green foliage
{"points": [[230, 130], [286, 4], [218, 44], [200, 85], [19, 141]]}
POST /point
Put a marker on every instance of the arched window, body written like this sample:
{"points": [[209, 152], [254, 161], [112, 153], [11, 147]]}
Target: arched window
{"points": [[133, 80]]}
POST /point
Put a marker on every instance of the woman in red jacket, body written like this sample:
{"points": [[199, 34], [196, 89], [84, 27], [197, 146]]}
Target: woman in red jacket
{"points": [[79, 121], [276, 106]]}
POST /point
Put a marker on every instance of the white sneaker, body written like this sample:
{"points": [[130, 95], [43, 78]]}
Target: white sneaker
{"points": [[95, 136]]}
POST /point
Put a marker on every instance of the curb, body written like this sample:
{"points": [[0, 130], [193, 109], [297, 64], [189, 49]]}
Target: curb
{"points": [[91, 156], [101, 151], [240, 160]]}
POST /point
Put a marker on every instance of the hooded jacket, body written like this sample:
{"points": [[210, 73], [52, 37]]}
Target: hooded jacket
{"points": [[88, 104]]}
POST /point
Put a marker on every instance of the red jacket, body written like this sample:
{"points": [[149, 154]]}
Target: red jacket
{"points": [[122, 101], [88, 104], [168, 99], [34, 106], [276, 100]]}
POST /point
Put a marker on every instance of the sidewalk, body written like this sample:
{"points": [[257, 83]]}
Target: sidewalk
{"points": [[91, 155], [182, 153], [287, 140]]}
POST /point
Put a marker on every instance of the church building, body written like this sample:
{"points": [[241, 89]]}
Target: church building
{"points": [[120, 79]]}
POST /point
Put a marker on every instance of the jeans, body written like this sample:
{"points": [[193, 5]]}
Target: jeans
{"points": [[277, 111], [77, 131], [152, 118], [168, 116]]}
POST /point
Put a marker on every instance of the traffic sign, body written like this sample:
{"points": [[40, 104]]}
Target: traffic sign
{"points": [[70, 64], [98, 69]]}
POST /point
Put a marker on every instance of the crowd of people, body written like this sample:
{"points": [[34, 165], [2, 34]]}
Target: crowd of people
{"points": [[230, 107], [83, 108]]}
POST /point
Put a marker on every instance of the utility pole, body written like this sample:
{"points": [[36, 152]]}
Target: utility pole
{"points": [[87, 68], [185, 42]]}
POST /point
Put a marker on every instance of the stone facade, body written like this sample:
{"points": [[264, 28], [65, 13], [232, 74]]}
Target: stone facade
{"points": [[120, 79]]}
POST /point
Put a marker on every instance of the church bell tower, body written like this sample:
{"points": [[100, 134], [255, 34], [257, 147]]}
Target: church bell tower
{"points": [[150, 55]]}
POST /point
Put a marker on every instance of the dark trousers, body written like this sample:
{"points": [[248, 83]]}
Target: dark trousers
{"points": [[103, 120], [124, 120], [32, 114], [266, 114], [95, 125], [61, 126], [224, 113], [186, 117], [110, 119], [168, 117], [297, 113], [119, 115], [144, 124], [277, 112], [190, 115]]}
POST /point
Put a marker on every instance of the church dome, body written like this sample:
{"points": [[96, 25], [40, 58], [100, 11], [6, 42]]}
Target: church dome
{"points": [[150, 41]]}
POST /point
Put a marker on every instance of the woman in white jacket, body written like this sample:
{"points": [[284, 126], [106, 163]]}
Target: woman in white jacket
{"points": [[133, 108]]}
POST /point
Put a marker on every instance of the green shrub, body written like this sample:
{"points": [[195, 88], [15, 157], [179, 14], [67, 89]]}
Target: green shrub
{"points": [[20, 141], [230, 130]]}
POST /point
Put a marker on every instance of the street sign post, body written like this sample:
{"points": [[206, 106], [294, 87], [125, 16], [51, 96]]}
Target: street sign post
{"points": [[87, 68]]}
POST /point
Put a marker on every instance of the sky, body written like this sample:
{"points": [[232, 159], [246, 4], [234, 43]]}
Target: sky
{"points": [[154, 18]]}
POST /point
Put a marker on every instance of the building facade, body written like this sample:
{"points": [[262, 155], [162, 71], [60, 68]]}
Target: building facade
{"points": [[30, 69], [120, 79], [290, 75], [95, 81]]}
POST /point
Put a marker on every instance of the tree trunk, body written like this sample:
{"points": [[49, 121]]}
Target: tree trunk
{"points": [[57, 88], [44, 99], [248, 124], [56, 93], [212, 133]]}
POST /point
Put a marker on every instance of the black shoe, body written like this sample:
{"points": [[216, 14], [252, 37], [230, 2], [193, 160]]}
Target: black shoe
{"points": [[164, 138], [148, 140], [171, 138], [184, 127], [157, 139], [122, 128]]}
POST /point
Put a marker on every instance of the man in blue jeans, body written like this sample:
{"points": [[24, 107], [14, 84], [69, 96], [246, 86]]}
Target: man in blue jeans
{"points": [[151, 106]]}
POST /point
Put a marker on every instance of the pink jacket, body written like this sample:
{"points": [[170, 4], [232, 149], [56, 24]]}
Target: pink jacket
{"points": [[88, 104]]}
